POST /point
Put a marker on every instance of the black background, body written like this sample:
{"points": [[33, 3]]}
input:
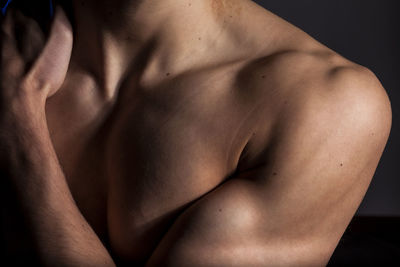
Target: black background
{"points": [[366, 32]]}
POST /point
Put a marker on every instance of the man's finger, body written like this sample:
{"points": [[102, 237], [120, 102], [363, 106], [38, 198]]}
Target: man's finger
{"points": [[11, 64], [7, 37], [29, 37], [7, 26], [49, 71]]}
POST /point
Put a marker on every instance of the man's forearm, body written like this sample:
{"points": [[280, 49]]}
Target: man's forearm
{"points": [[60, 232]]}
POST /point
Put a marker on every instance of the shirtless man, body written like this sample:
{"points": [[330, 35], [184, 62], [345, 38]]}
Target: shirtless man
{"points": [[183, 133]]}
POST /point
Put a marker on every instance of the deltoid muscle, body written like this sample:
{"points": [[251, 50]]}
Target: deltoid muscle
{"points": [[51, 9]]}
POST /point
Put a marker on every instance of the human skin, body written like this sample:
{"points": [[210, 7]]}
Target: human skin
{"points": [[186, 133]]}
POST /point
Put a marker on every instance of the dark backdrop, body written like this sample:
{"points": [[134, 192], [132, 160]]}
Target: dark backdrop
{"points": [[366, 32]]}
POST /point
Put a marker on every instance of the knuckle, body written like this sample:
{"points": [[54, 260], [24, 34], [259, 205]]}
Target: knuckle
{"points": [[7, 45], [7, 23], [33, 83]]}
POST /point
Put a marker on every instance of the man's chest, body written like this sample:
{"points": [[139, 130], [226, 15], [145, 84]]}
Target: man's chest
{"points": [[149, 155]]}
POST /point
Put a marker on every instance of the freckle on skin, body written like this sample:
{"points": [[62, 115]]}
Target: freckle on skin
{"points": [[199, 38], [341, 164], [274, 173], [167, 73], [263, 76], [220, 210]]}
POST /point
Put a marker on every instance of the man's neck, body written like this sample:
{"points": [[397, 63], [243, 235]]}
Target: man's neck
{"points": [[155, 40], [158, 38], [136, 18]]}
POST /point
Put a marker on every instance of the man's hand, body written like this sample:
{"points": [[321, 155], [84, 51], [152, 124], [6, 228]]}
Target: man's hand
{"points": [[32, 66], [31, 70]]}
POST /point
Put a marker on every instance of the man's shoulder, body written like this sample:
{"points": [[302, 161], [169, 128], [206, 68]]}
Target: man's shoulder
{"points": [[316, 91], [345, 97], [323, 81], [315, 78]]}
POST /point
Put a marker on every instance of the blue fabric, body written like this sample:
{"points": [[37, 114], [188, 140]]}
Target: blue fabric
{"points": [[4, 9], [51, 9]]}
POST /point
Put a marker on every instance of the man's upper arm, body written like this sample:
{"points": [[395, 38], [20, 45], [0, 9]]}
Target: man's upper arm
{"points": [[294, 208]]}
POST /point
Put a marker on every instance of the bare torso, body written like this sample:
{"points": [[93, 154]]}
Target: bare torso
{"points": [[137, 158], [171, 142]]}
